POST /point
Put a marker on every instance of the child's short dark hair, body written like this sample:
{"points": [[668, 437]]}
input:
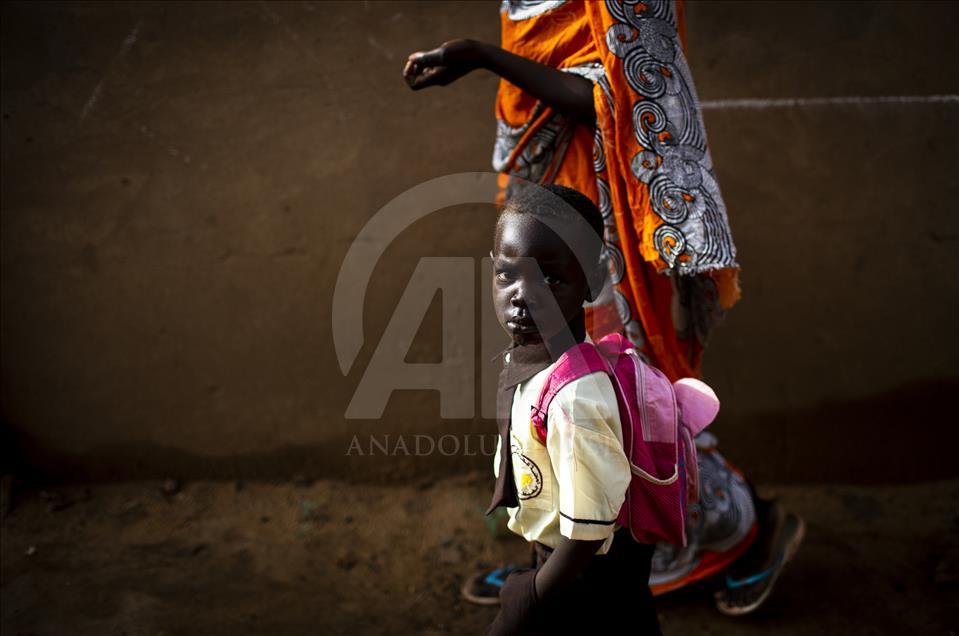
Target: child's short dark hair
{"points": [[540, 199]]}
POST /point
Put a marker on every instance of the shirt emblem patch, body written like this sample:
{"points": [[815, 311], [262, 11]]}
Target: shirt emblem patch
{"points": [[529, 478]]}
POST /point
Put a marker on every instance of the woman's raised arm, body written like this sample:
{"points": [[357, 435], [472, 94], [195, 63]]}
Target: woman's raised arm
{"points": [[567, 93]]}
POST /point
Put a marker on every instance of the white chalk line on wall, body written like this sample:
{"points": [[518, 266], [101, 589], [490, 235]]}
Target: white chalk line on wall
{"points": [[125, 47], [793, 102]]}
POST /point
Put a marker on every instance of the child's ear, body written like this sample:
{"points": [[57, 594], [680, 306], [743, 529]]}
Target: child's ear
{"points": [[591, 287], [595, 282]]}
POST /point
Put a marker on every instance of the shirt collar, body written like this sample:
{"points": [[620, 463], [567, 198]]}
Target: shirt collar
{"points": [[521, 362]]}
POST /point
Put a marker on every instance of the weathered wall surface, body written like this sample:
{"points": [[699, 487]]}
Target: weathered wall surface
{"points": [[180, 183]]}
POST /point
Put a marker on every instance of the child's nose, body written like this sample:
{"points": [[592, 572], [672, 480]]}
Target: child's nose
{"points": [[523, 296]]}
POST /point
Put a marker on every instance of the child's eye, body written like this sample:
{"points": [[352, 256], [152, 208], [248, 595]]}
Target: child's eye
{"points": [[551, 280], [504, 276]]}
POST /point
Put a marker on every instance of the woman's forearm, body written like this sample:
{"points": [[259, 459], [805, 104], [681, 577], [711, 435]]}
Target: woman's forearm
{"points": [[568, 93]]}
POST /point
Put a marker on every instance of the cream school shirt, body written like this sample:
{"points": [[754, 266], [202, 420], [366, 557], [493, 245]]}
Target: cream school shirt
{"points": [[575, 484]]}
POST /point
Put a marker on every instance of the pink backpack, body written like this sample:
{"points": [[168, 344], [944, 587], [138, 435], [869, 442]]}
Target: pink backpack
{"points": [[659, 419]]}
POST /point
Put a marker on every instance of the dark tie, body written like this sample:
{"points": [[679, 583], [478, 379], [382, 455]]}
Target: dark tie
{"points": [[523, 363]]}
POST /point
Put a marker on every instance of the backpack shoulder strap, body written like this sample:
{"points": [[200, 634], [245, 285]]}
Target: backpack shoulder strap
{"points": [[578, 362]]}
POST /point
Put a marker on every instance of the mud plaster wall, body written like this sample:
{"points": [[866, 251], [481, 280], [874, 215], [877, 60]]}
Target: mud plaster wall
{"points": [[180, 183]]}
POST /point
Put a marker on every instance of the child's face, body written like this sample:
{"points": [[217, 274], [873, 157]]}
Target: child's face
{"points": [[538, 284]]}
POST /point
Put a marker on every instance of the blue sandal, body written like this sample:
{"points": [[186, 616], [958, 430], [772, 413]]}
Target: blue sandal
{"points": [[733, 584], [483, 588], [791, 534]]}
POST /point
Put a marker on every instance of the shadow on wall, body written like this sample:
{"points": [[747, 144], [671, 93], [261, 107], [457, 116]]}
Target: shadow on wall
{"points": [[895, 437]]}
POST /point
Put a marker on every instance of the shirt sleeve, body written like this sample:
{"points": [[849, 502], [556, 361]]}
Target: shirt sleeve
{"points": [[499, 445], [584, 441]]}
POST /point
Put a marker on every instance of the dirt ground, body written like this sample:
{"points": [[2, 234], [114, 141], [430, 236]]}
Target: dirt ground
{"points": [[330, 557]]}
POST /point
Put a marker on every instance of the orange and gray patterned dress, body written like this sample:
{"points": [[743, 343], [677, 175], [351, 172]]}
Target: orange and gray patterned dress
{"points": [[645, 164]]}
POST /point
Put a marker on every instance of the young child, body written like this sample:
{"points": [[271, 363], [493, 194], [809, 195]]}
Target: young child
{"points": [[563, 496]]}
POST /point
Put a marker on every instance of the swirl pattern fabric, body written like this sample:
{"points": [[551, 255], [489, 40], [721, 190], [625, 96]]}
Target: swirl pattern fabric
{"points": [[646, 165], [719, 528]]}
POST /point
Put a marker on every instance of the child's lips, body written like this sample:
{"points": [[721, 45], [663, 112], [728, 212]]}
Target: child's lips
{"points": [[521, 325]]}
